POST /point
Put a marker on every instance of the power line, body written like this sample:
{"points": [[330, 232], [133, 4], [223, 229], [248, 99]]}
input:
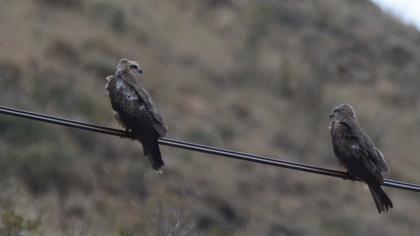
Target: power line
{"points": [[199, 147]]}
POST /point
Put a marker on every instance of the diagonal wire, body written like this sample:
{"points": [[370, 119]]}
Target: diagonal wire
{"points": [[199, 147]]}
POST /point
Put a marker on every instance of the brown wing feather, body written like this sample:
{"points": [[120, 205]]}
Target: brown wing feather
{"points": [[352, 145], [153, 114]]}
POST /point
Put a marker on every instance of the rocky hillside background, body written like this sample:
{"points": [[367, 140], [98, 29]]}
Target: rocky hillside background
{"points": [[254, 76]]}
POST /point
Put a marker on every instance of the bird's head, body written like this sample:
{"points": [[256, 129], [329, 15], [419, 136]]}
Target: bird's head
{"points": [[343, 112], [126, 65]]}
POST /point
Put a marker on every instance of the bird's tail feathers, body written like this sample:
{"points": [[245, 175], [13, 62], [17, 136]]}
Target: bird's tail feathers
{"points": [[152, 151], [382, 201]]}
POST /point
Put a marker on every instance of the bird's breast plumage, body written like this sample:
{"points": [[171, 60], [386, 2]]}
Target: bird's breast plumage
{"points": [[133, 103], [125, 91], [124, 100], [343, 144]]}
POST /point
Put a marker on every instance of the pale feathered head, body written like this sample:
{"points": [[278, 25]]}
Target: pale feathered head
{"points": [[129, 65]]}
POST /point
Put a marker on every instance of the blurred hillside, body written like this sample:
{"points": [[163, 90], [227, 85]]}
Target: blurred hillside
{"points": [[255, 76]]}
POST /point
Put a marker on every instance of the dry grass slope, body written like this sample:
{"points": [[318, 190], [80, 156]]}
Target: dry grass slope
{"points": [[256, 76]]}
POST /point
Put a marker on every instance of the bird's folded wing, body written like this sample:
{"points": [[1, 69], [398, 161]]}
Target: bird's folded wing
{"points": [[375, 155], [360, 149], [151, 111], [381, 161]]}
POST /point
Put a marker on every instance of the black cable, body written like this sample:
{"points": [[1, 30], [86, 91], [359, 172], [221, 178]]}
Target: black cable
{"points": [[199, 147]]}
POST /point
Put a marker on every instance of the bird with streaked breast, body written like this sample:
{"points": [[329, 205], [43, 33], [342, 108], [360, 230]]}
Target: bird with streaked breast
{"points": [[135, 111]]}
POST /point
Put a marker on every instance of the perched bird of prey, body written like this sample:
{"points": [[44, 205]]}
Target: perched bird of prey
{"points": [[135, 111], [357, 153]]}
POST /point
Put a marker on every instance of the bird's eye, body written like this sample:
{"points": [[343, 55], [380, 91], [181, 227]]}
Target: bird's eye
{"points": [[134, 67]]}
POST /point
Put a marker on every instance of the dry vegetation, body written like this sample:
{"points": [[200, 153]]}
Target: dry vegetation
{"points": [[256, 76]]}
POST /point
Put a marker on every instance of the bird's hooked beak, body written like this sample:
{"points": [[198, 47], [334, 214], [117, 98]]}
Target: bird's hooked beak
{"points": [[140, 71]]}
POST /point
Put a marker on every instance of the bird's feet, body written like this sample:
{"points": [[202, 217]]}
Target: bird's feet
{"points": [[130, 134], [350, 176]]}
